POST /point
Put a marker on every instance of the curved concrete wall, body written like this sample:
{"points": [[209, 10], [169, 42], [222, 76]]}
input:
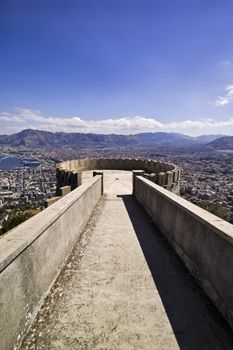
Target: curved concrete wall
{"points": [[202, 240], [32, 255], [164, 174]]}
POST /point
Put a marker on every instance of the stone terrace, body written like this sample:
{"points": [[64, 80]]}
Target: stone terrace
{"points": [[124, 288]]}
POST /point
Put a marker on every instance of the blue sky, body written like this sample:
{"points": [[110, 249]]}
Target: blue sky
{"points": [[116, 65]]}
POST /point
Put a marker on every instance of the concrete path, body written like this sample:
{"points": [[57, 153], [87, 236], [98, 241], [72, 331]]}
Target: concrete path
{"points": [[123, 288]]}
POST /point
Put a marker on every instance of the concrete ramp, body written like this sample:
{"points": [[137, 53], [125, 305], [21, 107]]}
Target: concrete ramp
{"points": [[124, 288]]}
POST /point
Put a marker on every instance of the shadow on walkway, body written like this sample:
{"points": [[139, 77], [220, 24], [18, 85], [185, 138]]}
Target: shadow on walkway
{"points": [[195, 321]]}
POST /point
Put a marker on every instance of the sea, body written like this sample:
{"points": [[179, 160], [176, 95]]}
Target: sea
{"points": [[8, 161]]}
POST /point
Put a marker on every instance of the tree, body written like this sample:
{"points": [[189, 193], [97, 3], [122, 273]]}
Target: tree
{"points": [[216, 209], [14, 220]]}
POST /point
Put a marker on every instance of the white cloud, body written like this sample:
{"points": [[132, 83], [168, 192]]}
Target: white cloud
{"points": [[229, 90], [221, 101], [224, 100], [26, 118]]}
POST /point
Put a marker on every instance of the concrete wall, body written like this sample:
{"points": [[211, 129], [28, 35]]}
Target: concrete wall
{"points": [[203, 241], [164, 174], [32, 255]]}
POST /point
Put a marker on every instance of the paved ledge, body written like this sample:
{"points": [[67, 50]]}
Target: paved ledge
{"points": [[221, 227], [203, 241], [33, 254], [124, 288], [16, 240]]}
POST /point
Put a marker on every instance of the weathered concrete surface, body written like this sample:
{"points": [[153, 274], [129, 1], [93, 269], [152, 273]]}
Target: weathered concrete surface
{"points": [[203, 241], [51, 201], [124, 288], [32, 255]]}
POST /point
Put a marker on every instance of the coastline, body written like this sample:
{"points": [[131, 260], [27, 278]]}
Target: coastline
{"points": [[8, 162]]}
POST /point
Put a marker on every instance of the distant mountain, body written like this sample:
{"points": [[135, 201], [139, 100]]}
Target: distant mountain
{"points": [[203, 139], [38, 138], [176, 140], [222, 143]]}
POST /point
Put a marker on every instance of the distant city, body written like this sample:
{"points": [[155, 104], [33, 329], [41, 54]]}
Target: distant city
{"points": [[28, 174]]}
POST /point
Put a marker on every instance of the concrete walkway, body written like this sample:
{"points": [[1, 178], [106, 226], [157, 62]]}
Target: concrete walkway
{"points": [[123, 288]]}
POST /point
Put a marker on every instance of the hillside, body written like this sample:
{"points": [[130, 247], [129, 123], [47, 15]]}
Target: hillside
{"points": [[222, 143], [38, 138]]}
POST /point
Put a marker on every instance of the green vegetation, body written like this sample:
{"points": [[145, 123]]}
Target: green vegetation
{"points": [[16, 215], [19, 207], [2, 211], [14, 220], [216, 209]]}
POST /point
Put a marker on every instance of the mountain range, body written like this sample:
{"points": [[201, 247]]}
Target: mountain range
{"points": [[222, 143], [37, 138]]}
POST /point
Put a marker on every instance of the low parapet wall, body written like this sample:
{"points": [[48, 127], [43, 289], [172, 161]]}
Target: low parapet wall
{"points": [[203, 241], [32, 255], [164, 174]]}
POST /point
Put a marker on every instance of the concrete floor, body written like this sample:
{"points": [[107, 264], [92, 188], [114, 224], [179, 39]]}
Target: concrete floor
{"points": [[124, 288]]}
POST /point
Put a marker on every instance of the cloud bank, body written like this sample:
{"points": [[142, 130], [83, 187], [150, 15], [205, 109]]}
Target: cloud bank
{"points": [[26, 118]]}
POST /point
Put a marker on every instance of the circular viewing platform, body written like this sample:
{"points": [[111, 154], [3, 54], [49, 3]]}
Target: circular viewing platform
{"points": [[167, 175]]}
